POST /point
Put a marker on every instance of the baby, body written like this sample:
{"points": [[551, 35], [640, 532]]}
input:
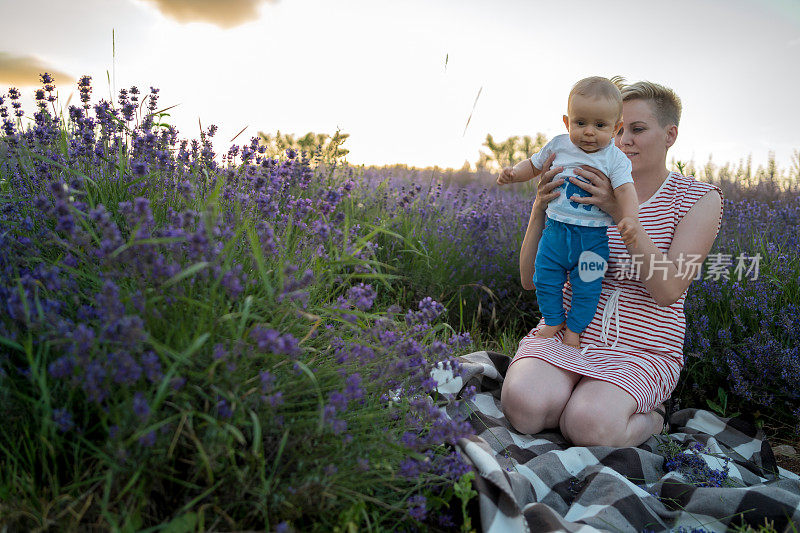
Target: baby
{"points": [[574, 238]]}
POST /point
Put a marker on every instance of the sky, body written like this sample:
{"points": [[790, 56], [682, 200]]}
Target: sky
{"points": [[402, 77]]}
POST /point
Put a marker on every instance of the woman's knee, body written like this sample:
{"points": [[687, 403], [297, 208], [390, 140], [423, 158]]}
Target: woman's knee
{"points": [[582, 429], [587, 422], [527, 409]]}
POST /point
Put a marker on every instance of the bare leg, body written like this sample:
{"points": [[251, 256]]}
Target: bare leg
{"points": [[601, 414], [571, 338], [548, 331], [534, 394]]}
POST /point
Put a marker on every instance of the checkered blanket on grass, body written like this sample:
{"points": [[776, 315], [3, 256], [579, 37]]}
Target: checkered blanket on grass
{"points": [[540, 483]]}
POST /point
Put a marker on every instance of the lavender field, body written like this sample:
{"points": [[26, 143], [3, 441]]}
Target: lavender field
{"points": [[244, 340]]}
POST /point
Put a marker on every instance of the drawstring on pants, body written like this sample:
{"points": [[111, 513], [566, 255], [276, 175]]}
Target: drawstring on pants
{"points": [[570, 229]]}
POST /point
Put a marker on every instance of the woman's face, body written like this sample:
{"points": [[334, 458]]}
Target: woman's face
{"points": [[643, 139]]}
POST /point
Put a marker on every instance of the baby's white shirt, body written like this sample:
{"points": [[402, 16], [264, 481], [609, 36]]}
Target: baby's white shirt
{"points": [[609, 160]]}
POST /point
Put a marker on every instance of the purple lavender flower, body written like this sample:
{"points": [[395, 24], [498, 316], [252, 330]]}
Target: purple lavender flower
{"points": [[353, 390], [267, 381], [62, 367], [417, 507], [231, 281], [63, 420], [411, 468], [108, 300], [446, 520], [94, 381], [694, 467], [273, 341], [219, 352], [361, 296], [224, 408], [152, 105], [82, 339], [338, 426], [275, 400], [293, 288], [85, 89], [140, 407], [460, 340], [148, 439], [127, 331], [127, 370], [429, 384], [152, 367], [338, 401], [321, 229], [451, 466]]}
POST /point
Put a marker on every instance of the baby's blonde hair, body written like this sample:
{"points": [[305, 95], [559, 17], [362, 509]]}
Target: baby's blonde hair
{"points": [[599, 87], [666, 104]]}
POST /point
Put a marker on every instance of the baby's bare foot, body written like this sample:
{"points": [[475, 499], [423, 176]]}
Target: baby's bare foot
{"points": [[549, 331], [571, 338]]}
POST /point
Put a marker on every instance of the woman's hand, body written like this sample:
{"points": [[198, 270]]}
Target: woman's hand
{"points": [[599, 186], [545, 189]]}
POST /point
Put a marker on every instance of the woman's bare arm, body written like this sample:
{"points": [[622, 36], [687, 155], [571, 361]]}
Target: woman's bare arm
{"points": [[530, 243], [668, 276]]}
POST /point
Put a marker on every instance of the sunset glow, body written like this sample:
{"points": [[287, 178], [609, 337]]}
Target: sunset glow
{"points": [[402, 78]]}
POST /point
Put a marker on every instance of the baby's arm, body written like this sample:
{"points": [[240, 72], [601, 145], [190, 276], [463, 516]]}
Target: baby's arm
{"points": [[628, 202], [522, 171]]}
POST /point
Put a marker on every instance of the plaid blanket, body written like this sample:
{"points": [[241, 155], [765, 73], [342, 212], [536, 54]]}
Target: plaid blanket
{"points": [[708, 474]]}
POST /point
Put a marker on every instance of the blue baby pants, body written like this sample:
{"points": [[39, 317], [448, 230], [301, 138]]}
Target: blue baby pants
{"points": [[559, 251]]}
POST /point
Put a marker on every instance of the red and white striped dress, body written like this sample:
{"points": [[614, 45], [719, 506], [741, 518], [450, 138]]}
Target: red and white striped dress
{"points": [[631, 342]]}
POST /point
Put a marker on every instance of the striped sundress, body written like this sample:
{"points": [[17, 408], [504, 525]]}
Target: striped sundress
{"points": [[631, 341]]}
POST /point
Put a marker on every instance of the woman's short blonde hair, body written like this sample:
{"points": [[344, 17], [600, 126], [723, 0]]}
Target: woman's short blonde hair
{"points": [[666, 104]]}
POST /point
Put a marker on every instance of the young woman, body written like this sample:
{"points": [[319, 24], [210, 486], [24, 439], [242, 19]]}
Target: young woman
{"points": [[611, 391]]}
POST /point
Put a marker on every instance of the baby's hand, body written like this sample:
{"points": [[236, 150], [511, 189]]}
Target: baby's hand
{"points": [[507, 175], [627, 230]]}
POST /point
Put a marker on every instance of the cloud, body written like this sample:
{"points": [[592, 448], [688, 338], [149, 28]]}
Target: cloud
{"points": [[225, 14], [23, 71]]}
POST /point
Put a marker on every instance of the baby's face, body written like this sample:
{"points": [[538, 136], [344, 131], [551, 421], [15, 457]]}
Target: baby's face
{"points": [[592, 122]]}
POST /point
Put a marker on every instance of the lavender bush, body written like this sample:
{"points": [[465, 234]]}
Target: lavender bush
{"points": [[200, 344], [744, 333], [460, 243]]}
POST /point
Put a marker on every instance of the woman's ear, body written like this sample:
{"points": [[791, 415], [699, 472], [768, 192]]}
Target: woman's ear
{"points": [[672, 135], [566, 122]]}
